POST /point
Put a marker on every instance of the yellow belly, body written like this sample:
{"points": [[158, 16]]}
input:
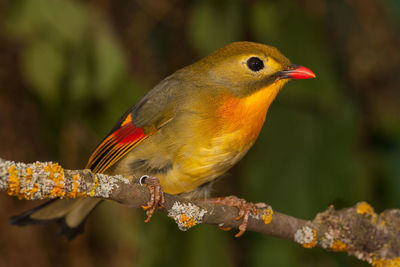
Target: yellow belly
{"points": [[196, 167]]}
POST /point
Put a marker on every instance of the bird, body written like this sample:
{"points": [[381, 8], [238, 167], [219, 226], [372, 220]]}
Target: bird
{"points": [[187, 131]]}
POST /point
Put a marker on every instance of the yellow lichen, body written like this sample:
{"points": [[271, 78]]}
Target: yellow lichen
{"points": [[56, 174], [96, 184], [14, 185], [395, 262], [188, 222], [267, 215], [14, 188], [365, 208], [35, 188], [29, 173], [75, 186], [74, 193], [313, 242], [186, 215], [338, 246]]}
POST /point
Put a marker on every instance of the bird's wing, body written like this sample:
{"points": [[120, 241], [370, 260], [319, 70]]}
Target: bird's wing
{"points": [[143, 120], [120, 141]]}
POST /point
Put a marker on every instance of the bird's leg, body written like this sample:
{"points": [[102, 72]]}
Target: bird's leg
{"points": [[245, 209], [156, 195]]}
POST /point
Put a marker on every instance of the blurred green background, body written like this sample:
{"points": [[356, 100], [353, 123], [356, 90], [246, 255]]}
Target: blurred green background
{"points": [[69, 69]]}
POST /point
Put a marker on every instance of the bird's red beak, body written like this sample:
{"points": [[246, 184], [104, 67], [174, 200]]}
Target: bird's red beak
{"points": [[296, 72]]}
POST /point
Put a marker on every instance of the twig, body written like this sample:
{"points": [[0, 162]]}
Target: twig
{"points": [[357, 230]]}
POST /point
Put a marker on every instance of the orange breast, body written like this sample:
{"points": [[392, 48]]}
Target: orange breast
{"points": [[246, 115]]}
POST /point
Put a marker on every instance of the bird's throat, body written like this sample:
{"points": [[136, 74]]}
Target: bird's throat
{"points": [[246, 115]]}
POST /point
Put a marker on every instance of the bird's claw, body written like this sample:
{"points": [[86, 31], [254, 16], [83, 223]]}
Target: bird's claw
{"points": [[246, 209], [156, 195]]}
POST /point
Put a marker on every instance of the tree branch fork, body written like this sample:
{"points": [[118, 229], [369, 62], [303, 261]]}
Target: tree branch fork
{"points": [[357, 230]]}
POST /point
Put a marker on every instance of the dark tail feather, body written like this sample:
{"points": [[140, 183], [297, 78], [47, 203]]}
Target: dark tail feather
{"points": [[71, 215], [24, 218], [71, 232]]}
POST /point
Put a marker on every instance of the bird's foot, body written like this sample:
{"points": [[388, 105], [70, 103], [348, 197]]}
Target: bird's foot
{"points": [[156, 195], [246, 209]]}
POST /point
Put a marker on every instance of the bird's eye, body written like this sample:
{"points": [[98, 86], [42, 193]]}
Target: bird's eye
{"points": [[255, 64]]}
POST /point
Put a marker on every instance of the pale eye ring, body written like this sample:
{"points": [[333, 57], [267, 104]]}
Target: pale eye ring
{"points": [[255, 64]]}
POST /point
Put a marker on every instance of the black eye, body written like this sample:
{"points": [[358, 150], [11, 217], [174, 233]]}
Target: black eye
{"points": [[255, 64]]}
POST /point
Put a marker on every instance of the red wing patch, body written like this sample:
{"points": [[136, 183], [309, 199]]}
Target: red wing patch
{"points": [[116, 145]]}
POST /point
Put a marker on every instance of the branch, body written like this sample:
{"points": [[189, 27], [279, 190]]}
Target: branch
{"points": [[357, 230]]}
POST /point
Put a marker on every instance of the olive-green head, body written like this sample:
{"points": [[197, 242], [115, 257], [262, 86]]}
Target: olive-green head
{"points": [[245, 67]]}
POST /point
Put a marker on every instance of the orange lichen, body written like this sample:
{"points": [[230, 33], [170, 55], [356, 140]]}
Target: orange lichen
{"points": [[365, 208], [28, 194], [29, 173], [188, 222], [56, 174], [313, 242], [35, 188], [96, 184], [338, 246], [48, 180], [74, 193], [14, 188], [14, 185], [267, 215], [395, 262]]}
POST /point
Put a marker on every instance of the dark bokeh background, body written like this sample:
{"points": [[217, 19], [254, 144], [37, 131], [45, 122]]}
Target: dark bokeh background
{"points": [[69, 69]]}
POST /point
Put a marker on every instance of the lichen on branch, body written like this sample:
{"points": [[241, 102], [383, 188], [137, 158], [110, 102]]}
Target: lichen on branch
{"points": [[359, 230], [48, 180]]}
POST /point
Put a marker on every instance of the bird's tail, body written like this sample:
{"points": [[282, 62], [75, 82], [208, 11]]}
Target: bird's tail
{"points": [[71, 214]]}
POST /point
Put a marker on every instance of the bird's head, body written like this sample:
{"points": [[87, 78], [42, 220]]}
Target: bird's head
{"points": [[246, 67]]}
